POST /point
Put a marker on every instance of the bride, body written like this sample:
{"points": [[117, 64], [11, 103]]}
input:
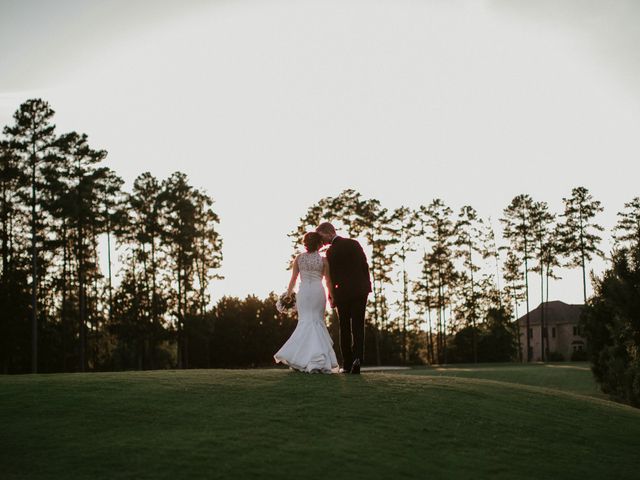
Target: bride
{"points": [[310, 348]]}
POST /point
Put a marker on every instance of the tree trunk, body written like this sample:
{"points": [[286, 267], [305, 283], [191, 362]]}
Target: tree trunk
{"points": [[430, 350], [404, 311], [180, 321], [542, 307], [445, 349], [584, 278], [110, 287], [515, 301], [96, 327], [148, 299], [81, 281], [498, 279], [154, 301], [5, 233], [547, 302], [473, 308], [34, 269], [63, 306], [82, 303], [185, 313], [375, 307], [526, 283], [440, 319], [430, 337], [582, 258]]}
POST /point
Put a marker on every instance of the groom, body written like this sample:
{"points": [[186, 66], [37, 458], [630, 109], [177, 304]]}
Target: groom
{"points": [[351, 286]]}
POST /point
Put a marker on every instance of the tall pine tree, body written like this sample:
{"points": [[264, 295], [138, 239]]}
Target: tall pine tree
{"points": [[31, 137], [580, 233]]}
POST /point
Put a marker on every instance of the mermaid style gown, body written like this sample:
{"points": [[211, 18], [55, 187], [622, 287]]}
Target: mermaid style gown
{"points": [[310, 348]]}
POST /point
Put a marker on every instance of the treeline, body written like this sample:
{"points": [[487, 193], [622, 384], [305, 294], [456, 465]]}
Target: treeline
{"points": [[58, 310], [461, 303], [64, 215]]}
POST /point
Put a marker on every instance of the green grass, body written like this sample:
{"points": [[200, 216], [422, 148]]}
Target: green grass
{"points": [[483, 422], [574, 377]]}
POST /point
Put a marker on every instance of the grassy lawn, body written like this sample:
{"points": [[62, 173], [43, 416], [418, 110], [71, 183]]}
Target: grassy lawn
{"points": [[474, 422], [572, 377]]}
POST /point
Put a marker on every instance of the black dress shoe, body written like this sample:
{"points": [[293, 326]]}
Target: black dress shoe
{"points": [[355, 367]]}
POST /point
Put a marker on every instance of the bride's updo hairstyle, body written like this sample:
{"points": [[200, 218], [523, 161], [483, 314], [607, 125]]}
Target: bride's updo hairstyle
{"points": [[312, 241]]}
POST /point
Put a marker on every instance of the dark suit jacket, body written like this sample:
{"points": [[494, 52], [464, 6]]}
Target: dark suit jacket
{"points": [[349, 269]]}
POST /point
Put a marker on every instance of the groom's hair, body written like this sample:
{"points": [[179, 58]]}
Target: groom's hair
{"points": [[326, 227]]}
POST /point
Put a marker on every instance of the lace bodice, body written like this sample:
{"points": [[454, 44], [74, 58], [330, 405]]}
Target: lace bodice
{"points": [[311, 266]]}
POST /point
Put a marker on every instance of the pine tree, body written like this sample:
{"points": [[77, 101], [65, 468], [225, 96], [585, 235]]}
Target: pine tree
{"points": [[31, 138], [627, 230], [424, 299], [468, 231], [490, 250], [519, 232], [11, 178], [439, 233], [208, 246], [375, 221], [347, 212], [58, 200], [552, 254], [179, 233], [86, 185], [514, 288], [580, 232], [542, 228], [115, 217], [143, 234], [14, 289], [402, 227]]}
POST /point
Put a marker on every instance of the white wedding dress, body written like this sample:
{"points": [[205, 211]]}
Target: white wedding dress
{"points": [[310, 348]]}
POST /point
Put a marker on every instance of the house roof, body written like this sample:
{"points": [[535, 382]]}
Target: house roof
{"points": [[555, 313]]}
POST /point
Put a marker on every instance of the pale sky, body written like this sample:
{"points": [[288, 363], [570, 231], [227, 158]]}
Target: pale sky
{"points": [[271, 105]]}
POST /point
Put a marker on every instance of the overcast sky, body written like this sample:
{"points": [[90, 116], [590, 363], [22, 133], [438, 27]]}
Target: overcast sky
{"points": [[271, 105]]}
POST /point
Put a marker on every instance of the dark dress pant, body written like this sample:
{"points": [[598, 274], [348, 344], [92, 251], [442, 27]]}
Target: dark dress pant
{"points": [[351, 313]]}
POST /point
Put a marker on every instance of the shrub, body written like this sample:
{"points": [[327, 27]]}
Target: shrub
{"points": [[555, 357], [579, 356], [611, 323], [496, 340]]}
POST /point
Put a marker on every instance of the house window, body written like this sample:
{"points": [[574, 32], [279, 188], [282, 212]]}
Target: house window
{"points": [[575, 330], [531, 333], [577, 348], [553, 332]]}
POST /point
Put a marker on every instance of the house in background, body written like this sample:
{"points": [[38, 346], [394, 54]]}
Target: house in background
{"points": [[563, 335]]}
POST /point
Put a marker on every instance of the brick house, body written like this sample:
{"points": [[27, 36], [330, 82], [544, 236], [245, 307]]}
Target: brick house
{"points": [[563, 335]]}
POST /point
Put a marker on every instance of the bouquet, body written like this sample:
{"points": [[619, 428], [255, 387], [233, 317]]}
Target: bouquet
{"points": [[286, 303]]}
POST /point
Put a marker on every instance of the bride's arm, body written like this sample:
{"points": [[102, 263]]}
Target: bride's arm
{"points": [[327, 277], [294, 277]]}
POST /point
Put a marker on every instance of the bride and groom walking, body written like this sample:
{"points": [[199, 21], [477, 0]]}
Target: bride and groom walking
{"points": [[346, 274]]}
